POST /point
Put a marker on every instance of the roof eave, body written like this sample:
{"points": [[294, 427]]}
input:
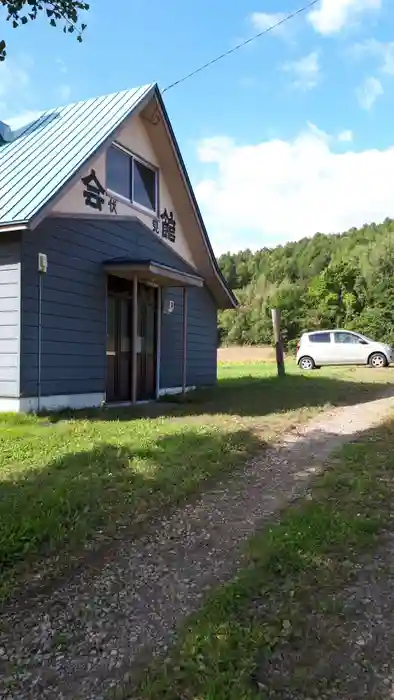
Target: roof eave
{"points": [[232, 301], [14, 225]]}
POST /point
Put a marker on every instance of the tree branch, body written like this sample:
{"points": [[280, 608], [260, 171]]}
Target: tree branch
{"points": [[64, 11]]}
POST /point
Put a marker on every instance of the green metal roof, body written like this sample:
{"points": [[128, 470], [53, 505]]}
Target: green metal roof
{"points": [[37, 159]]}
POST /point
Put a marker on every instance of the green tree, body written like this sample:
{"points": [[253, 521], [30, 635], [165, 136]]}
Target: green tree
{"points": [[65, 12], [329, 280], [332, 296]]}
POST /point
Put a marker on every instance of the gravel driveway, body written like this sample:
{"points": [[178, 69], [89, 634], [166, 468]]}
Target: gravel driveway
{"points": [[93, 631]]}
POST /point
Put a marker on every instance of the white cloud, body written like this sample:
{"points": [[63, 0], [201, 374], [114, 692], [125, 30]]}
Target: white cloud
{"points": [[305, 72], [388, 58], [64, 92], [22, 119], [332, 16], [212, 150], [62, 65], [14, 78], [368, 93], [383, 51], [373, 87], [345, 136], [271, 192], [265, 20]]}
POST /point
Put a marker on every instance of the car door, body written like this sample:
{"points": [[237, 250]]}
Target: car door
{"points": [[348, 348], [320, 347]]}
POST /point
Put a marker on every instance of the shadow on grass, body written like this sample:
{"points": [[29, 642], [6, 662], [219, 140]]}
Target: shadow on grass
{"points": [[287, 624], [61, 506], [246, 396], [290, 563]]}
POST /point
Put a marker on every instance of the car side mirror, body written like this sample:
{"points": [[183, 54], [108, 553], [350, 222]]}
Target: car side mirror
{"points": [[363, 342]]}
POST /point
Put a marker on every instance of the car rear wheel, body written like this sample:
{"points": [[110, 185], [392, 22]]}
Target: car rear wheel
{"points": [[306, 363], [377, 360]]}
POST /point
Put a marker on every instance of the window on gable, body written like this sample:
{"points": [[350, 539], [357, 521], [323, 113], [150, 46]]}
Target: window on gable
{"points": [[130, 178], [144, 185], [119, 172]]}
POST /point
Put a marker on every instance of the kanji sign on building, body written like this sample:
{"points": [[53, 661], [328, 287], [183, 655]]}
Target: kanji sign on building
{"points": [[112, 205], [168, 226], [94, 194]]}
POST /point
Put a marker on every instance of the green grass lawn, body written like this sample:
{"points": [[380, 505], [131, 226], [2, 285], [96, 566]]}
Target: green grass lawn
{"points": [[296, 572], [68, 482]]}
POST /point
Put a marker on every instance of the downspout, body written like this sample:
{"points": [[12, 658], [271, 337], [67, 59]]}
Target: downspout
{"points": [[42, 269], [184, 341], [158, 340], [134, 342]]}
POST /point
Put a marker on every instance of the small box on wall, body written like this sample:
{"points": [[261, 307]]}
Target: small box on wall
{"points": [[168, 306]]}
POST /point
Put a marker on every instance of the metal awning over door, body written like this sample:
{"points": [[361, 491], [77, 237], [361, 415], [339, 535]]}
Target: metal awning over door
{"points": [[152, 271]]}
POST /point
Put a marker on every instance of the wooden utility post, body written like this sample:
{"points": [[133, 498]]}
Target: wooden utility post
{"points": [[280, 363]]}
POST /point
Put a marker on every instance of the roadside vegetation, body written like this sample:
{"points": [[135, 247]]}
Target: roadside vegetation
{"points": [[327, 281], [274, 630], [70, 484]]}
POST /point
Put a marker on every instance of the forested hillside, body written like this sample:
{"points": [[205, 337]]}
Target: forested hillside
{"points": [[344, 280]]}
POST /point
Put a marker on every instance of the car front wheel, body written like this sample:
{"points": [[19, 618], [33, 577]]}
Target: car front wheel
{"points": [[306, 363], [377, 360]]}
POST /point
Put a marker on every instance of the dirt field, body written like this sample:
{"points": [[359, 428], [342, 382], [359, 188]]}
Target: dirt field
{"points": [[246, 353]]}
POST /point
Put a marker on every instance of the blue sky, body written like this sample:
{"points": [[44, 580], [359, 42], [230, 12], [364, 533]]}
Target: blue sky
{"points": [[290, 135]]}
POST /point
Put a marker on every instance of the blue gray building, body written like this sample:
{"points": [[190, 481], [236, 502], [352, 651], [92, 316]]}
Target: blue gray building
{"points": [[109, 288]]}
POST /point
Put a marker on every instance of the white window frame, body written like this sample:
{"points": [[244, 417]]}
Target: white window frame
{"points": [[131, 202]]}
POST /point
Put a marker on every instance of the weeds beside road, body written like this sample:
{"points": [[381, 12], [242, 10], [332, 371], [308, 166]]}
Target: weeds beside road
{"points": [[289, 625], [69, 482]]}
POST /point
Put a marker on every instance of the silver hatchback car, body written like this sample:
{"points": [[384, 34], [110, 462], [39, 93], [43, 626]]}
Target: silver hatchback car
{"points": [[341, 347]]}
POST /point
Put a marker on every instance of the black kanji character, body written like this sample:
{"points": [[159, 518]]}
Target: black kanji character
{"points": [[155, 226], [168, 225], [94, 191], [112, 205]]}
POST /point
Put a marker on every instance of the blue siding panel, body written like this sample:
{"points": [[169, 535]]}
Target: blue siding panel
{"points": [[171, 341], [201, 339], [74, 307], [10, 290]]}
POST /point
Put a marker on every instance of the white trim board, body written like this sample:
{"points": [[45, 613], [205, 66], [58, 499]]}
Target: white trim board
{"points": [[172, 391], [29, 404]]}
